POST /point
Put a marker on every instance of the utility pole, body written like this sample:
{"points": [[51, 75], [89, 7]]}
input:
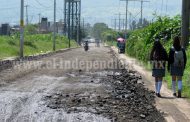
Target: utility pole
{"points": [[126, 19], [185, 23], [72, 20], [119, 15], [54, 27], [142, 10], [130, 20], [69, 24], [119, 21], [39, 21], [21, 28], [83, 23], [123, 24], [27, 14], [78, 22], [142, 1], [115, 24], [65, 18]]}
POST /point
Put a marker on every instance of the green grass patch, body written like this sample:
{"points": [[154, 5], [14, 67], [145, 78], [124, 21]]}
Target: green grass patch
{"points": [[33, 44]]}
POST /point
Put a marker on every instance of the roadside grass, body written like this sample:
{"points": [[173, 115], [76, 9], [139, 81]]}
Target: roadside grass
{"points": [[33, 44], [111, 43]]}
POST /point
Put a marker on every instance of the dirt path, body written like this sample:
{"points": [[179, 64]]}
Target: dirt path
{"points": [[23, 88], [177, 110]]}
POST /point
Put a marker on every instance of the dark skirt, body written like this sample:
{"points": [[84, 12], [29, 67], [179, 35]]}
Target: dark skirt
{"points": [[176, 71], [158, 72]]}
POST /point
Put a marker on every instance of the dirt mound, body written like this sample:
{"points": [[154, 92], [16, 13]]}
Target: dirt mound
{"points": [[126, 99]]}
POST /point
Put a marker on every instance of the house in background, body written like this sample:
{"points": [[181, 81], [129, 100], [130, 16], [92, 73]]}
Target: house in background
{"points": [[5, 29]]}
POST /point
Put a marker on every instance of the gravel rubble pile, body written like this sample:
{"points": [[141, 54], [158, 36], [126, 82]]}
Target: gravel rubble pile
{"points": [[126, 100]]}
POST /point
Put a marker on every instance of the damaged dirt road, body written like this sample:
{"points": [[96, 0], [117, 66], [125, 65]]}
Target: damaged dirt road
{"points": [[75, 86]]}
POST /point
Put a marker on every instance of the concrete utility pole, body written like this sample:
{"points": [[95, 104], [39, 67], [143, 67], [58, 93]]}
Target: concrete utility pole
{"points": [[78, 23], [123, 27], [119, 19], [54, 26], [27, 14], [69, 22], [21, 28], [142, 1], [115, 24], [185, 23], [142, 10], [126, 19], [39, 22]]}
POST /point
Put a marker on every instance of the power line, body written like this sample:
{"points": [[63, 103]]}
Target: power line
{"points": [[43, 5], [9, 8]]}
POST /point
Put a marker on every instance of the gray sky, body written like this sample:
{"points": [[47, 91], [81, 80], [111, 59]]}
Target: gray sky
{"points": [[92, 10]]}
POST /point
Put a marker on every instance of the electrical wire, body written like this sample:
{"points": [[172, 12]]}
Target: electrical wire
{"points": [[9, 8], [43, 5]]}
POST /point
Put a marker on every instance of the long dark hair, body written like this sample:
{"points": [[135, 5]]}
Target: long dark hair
{"points": [[158, 51], [157, 46], [176, 43]]}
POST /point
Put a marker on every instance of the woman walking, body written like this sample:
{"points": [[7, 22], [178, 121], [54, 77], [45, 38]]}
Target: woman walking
{"points": [[158, 58], [176, 65]]}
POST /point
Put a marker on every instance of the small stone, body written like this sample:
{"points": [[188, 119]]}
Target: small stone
{"points": [[101, 105], [79, 101], [142, 116], [73, 100]]}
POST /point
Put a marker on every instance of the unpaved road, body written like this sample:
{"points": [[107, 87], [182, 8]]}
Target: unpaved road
{"points": [[47, 90], [23, 88]]}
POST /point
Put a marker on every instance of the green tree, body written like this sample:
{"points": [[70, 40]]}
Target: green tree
{"points": [[98, 29], [31, 29]]}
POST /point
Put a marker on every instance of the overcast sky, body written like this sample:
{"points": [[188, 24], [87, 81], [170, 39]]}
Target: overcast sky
{"points": [[92, 10]]}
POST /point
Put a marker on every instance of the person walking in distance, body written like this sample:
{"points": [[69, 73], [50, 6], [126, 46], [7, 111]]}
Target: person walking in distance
{"points": [[176, 65], [158, 58]]}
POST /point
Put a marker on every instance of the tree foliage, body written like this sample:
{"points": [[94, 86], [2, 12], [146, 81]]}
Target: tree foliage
{"points": [[141, 40], [98, 29]]}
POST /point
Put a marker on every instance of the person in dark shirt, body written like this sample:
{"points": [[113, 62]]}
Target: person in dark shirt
{"points": [[176, 65], [158, 58]]}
